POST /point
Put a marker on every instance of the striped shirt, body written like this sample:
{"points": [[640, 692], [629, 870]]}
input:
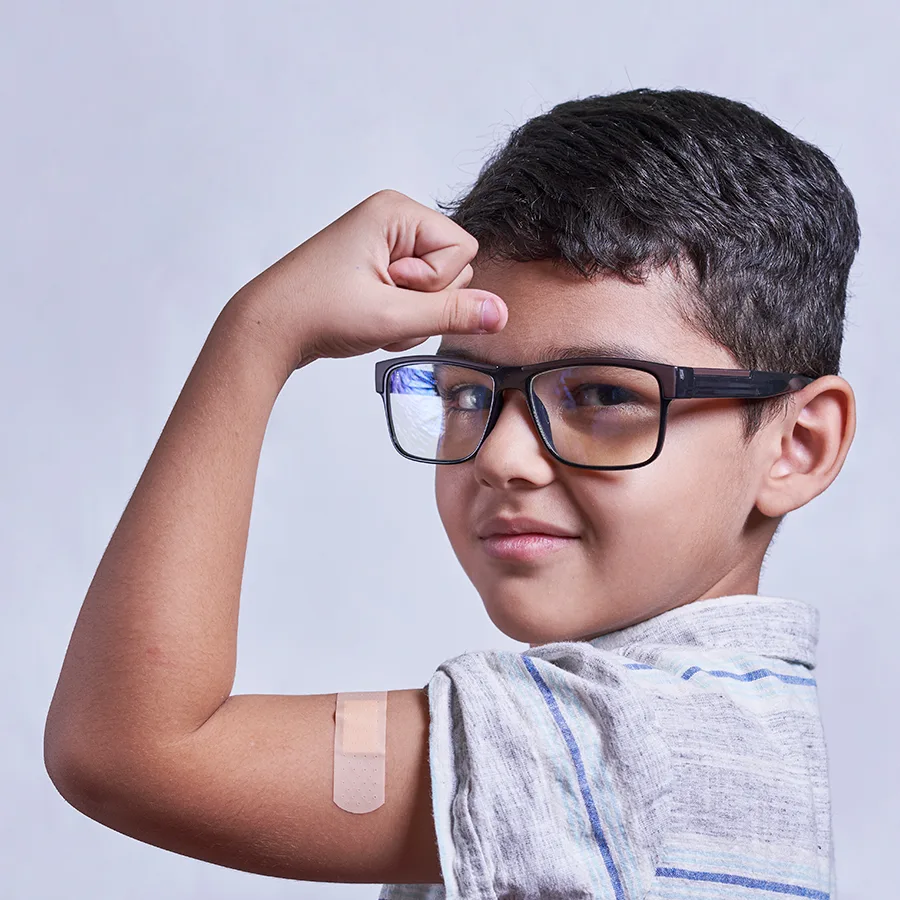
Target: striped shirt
{"points": [[678, 758]]}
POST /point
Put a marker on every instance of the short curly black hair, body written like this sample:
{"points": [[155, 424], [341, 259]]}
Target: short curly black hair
{"points": [[631, 181]]}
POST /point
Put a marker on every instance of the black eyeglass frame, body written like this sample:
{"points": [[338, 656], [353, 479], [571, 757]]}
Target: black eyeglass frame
{"points": [[675, 383]]}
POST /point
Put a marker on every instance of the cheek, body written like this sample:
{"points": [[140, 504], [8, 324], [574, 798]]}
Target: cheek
{"points": [[452, 500], [695, 489], [702, 498]]}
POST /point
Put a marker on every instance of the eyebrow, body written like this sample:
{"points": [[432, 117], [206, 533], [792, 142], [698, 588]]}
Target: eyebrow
{"points": [[614, 350]]}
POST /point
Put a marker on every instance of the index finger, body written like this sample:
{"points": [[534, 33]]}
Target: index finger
{"points": [[428, 251]]}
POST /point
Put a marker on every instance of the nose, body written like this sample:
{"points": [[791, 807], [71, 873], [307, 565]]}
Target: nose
{"points": [[513, 451]]}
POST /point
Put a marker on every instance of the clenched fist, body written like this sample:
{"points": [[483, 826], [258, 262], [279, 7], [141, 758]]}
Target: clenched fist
{"points": [[388, 274]]}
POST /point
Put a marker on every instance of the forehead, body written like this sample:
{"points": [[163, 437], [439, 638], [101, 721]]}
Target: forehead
{"points": [[553, 312]]}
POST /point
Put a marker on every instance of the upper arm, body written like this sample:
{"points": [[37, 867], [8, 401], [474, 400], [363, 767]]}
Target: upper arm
{"points": [[252, 789]]}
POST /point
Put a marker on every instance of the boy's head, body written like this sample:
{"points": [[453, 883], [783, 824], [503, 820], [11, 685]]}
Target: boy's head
{"points": [[693, 231]]}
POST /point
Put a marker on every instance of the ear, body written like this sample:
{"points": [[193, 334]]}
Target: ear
{"points": [[807, 448]]}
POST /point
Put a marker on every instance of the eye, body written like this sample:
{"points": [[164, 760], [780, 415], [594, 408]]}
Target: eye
{"points": [[467, 397], [600, 394]]}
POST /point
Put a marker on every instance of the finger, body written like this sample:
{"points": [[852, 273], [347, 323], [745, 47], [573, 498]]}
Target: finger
{"points": [[463, 279], [426, 274], [427, 249], [452, 311]]}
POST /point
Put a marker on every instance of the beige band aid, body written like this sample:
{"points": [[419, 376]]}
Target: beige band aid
{"points": [[360, 732]]}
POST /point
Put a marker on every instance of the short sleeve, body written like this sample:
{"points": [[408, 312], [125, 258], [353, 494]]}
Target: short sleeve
{"points": [[549, 778]]}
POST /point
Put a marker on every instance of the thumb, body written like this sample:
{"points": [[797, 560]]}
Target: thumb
{"points": [[451, 311]]}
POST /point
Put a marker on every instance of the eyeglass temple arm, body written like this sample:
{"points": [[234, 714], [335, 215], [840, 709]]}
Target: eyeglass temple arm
{"points": [[708, 383]]}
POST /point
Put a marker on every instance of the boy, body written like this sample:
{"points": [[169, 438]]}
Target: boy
{"points": [[654, 260]]}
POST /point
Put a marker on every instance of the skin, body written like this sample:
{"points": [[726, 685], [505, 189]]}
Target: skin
{"points": [[694, 523], [144, 733]]}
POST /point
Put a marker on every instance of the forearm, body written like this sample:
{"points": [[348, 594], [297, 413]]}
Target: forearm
{"points": [[153, 651]]}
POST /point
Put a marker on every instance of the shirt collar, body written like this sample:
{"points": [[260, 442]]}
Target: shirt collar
{"points": [[769, 626]]}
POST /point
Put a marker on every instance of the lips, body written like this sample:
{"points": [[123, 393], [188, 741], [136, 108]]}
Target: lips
{"points": [[500, 525]]}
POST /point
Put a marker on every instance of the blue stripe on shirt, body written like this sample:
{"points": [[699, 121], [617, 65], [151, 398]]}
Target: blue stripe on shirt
{"points": [[582, 777], [738, 676], [775, 886], [748, 676]]}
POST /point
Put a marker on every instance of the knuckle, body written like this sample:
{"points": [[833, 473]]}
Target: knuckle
{"points": [[470, 243], [385, 196], [430, 279], [459, 316]]}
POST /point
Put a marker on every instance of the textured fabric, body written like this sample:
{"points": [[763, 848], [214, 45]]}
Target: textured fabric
{"points": [[681, 757]]}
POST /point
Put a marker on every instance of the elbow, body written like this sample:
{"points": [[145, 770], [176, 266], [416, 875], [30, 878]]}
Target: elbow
{"points": [[88, 770], [109, 781], [76, 774]]}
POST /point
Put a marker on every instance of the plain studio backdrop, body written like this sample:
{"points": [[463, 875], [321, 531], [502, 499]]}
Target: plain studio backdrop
{"points": [[155, 157]]}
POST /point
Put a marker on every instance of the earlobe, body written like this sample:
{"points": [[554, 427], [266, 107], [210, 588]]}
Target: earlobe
{"points": [[809, 446]]}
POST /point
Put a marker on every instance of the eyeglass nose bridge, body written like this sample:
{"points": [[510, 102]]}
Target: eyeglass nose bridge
{"points": [[515, 379]]}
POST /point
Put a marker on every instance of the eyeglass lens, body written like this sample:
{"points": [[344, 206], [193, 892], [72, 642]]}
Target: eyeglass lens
{"points": [[589, 415]]}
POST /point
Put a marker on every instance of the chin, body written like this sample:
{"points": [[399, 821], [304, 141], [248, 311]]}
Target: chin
{"points": [[534, 619]]}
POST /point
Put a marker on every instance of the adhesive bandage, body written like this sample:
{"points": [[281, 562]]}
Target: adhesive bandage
{"points": [[360, 731]]}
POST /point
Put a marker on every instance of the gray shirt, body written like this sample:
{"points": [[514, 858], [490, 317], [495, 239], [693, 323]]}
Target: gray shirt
{"points": [[681, 757]]}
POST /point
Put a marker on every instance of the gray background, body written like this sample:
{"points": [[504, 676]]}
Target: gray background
{"points": [[155, 157]]}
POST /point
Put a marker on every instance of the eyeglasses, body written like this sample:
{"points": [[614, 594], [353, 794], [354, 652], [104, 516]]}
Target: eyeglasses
{"points": [[590, 412]]}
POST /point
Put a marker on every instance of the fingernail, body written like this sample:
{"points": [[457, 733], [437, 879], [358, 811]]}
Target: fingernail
{"points": [[490, 314]]}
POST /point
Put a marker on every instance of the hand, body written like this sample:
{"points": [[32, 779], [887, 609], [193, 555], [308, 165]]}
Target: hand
{"points": [[388, 274]]}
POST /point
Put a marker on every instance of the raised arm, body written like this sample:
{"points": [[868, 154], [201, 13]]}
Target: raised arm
{"points": [[143, 733]]}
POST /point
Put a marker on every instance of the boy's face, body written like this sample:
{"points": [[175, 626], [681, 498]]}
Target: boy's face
{"points": [[643, 540]]}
